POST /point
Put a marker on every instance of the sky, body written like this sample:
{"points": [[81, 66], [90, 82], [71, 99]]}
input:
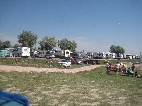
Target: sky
{"points": [[94, 25]]}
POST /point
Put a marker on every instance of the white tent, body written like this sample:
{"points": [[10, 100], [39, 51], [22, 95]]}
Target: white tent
{"points": [[140, 56]]}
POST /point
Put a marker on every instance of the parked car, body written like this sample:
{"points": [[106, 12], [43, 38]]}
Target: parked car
{"points": [[65, 62], [91, 61]]}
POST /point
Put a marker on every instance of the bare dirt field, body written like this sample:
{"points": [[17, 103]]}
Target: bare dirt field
{"points": [[46, 70], [137, 66], [65, 70]]}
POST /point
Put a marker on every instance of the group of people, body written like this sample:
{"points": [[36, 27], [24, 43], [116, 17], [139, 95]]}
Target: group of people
{"points": [[121, 67]]}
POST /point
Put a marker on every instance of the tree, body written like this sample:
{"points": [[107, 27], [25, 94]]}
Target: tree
{"points": [[117, 49], [48, 43], [16, 45], [1, 47], [27, 39], [6, 44], [67, 44]]}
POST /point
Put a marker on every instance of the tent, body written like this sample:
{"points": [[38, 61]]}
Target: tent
{"points": [[141, 58], [12, 99]]}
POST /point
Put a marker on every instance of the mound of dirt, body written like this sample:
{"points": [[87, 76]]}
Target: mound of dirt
{"points": [[137, 66]]}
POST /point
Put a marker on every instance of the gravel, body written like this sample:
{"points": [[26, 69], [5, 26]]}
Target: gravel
{"points": [[46, 70]]}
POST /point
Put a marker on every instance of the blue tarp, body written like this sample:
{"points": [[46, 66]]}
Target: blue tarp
{"points": [[12, 99]]}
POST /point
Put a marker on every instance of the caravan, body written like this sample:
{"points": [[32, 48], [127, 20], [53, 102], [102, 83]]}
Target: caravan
{"points": [[67, 53], [21, 52], [10, 50], [128, 56], [5, 53], [42, 53], [98, 55], [109, 55]]}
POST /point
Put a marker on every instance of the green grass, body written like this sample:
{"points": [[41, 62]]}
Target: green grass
{"points": [[52, 63], [80, 89], [114, 61], [30, 62]]}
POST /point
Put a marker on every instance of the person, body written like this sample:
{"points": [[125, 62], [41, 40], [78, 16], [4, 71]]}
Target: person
{"points": [[133, 67], [117, 67], [124, 69], [137, 75], [128, 71], [110, 65], [120, 67], [107, 67]]}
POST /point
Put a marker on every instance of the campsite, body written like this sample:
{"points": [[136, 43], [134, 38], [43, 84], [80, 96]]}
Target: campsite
{"points": [[70, 52], [86, 88]]}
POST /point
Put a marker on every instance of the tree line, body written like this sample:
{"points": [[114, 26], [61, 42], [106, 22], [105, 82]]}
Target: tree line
{"points": [[29, 39]]}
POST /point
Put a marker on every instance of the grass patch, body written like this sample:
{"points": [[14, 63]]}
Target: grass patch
{"points": [[50, 63], [30, 62], [80, 89]]}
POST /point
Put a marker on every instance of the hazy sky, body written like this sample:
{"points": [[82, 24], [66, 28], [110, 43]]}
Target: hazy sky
{"points": [[94, 24]]}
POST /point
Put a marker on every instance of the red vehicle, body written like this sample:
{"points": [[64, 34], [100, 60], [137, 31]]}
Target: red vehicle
{"points": [[75, 61], [92, 61]]}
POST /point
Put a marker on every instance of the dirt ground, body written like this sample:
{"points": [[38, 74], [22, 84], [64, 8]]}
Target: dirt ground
{"points": [[46, 70], [137, 66], [65, 70]]}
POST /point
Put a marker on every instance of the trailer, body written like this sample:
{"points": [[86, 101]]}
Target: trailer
{"points": [[110, 55], [67, 53], [63, 53], [128, 56], [41, 53], [5, 53], [98, 55], [10, 50], [21, 52]]}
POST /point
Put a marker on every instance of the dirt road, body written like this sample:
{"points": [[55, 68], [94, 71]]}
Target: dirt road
{"points": [[46, 70]]}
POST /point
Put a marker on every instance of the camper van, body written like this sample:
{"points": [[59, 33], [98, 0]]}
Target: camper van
{"points": [[98, 55], [67, 53], [109, 55], [10, 50], [128, 56], [62, 53], [5, 53], [21, 52], [42, 53]]}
